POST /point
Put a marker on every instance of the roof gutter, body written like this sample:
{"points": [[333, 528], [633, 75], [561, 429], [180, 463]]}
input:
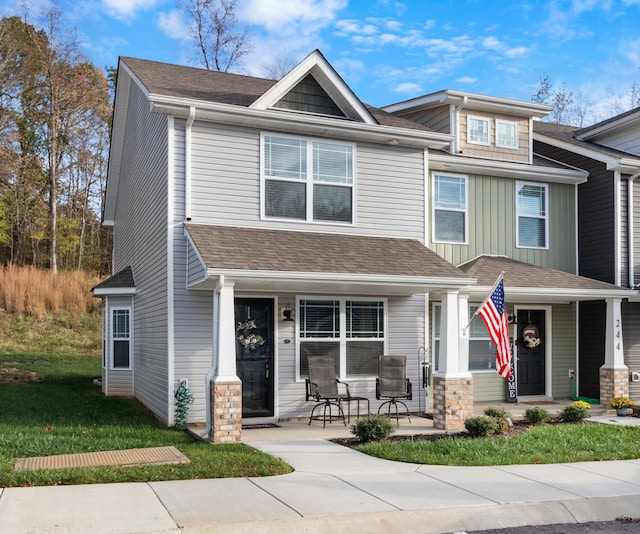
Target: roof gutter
{"points": [[298, 122]]}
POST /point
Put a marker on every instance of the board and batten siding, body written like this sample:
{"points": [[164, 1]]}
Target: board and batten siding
{"points": [[389, 185], [636, 231], [140, 240], [596, 215], [492, 225], [563, 349], [631, 343]]}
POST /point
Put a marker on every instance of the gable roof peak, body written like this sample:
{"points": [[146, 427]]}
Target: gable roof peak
{"points": [[316, 65]]}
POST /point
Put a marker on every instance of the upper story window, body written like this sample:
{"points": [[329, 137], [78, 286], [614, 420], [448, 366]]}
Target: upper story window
{"points": [[478, 130], [506, 134], [351, 331], [307, 180], [531, 212], [449, 208]]}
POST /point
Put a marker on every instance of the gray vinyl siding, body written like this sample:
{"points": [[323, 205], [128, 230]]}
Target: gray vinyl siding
{"points": [[140, 240], [492, 225], [626, 140], [405, 335], [636, 231], [389, 185], [116, 382], [631, 343], [596, 216], [438, 119], [195, 269], [624, 232]]}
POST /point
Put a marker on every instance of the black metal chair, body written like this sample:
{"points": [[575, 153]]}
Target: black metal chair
{"points": [[322, 387], [392, 384]]}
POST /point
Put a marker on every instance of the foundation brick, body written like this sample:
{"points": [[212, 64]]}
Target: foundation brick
{"points": [[453, 402], [226, 412]]}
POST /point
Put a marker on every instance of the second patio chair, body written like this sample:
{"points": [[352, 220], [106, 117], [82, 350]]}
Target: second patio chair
{"points": [[392, 384], [322, 386]]}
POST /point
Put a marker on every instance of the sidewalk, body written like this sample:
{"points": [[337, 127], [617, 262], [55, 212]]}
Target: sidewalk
{"points": [[335, 489]]}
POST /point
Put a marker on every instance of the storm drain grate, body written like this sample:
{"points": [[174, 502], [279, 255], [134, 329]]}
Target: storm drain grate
{"points": [[129, 457]]}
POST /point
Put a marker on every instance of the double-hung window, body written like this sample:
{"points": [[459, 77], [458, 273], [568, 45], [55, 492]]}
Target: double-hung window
{"points": [[121, 338], [506, 134], [351, 331], [531, 212], [477, 130], [449, 208], [482, 351], [308, 180]]}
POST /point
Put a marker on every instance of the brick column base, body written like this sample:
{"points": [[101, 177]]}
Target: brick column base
{"points": [[226, 412], [452, 402], [613, 383]]}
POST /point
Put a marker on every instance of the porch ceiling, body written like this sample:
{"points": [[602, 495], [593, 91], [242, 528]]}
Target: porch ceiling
{"points": [[524, 282], [279, 260]]}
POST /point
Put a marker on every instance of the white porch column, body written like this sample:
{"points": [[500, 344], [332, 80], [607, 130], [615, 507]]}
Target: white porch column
{"points": [[452, 382], [614, 374], [225, 387]]}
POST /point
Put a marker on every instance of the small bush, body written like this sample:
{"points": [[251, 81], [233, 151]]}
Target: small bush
{"points": [[481, 426], [373, 428], [536, 415], [497, 412], [575, 412]]}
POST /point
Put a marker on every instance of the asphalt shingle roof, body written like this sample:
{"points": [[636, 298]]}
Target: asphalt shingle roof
{"points": [[225, 247], [122, 279]]}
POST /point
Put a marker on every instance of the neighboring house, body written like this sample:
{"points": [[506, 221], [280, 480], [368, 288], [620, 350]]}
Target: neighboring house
{"points": [[496, 205], [608, 237], [257, 223]]}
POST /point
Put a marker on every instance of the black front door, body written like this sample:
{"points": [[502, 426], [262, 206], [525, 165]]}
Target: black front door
{"points": [[254, 355], [530, 365]]}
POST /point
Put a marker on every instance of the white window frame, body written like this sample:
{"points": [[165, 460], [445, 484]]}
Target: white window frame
{"points": [[472, 141], [545, 217], [113, 339], [342, 337], [472, 307], [465, 210], [309, 182], [513, 146]]}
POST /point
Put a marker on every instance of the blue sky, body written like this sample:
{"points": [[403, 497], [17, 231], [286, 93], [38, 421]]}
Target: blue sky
{"points": [[387, 50]]}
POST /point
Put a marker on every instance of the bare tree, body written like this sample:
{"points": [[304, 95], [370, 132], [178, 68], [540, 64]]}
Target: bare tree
{"points": [[213, 31], [279, 65], [568, 108]]}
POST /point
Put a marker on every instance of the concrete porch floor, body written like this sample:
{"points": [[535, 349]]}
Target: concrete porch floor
{"points": [[292, 429]]}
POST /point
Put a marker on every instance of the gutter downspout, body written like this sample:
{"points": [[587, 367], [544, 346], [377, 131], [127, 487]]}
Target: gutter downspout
{"points": [[187, 162], [630, 255], [214, 356]]}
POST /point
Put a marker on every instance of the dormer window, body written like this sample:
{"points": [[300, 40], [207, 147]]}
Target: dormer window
{"points": [[506, 134], [308, 180], [478, 130]]}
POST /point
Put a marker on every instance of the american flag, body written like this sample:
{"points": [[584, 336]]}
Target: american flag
{"points": [[494, 315]]}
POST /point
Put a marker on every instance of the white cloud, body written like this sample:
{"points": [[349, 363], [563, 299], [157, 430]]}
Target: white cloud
{"points": [[276, 16], [492, 43], [518, 51], [124, 9], [408, 88], [173, 24], [467, 80]]}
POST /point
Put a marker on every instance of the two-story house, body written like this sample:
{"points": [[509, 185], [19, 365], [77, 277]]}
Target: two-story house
{"points": [[498, 205], [257, 223], [608, 238]]}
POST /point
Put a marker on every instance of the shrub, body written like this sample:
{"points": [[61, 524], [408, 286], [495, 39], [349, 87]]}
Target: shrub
{"points": [[373, 428], [575, 412], [501, 417], [481, 426], [536, 415]]}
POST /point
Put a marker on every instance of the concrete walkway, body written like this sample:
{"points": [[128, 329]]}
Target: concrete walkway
{"points": [[335, 489]]}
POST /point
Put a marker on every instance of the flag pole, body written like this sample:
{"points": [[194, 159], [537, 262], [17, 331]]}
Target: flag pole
{"points": [[500, 277]]}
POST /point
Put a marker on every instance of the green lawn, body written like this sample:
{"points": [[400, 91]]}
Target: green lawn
{"points": [[50, 405], [543, 444]]}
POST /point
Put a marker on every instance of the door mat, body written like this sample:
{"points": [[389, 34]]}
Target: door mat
{"points": [[130, 457], [259, 425], [538, 403]]}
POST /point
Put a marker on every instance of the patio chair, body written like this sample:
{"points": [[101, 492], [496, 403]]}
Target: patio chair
{"points": [[392, 384], [322, 387]]}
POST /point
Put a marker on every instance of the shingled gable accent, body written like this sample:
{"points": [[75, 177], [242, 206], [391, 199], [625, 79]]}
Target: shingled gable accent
{"points": [[317, 66], [531, 280], [121, 283], [225, 250]]}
